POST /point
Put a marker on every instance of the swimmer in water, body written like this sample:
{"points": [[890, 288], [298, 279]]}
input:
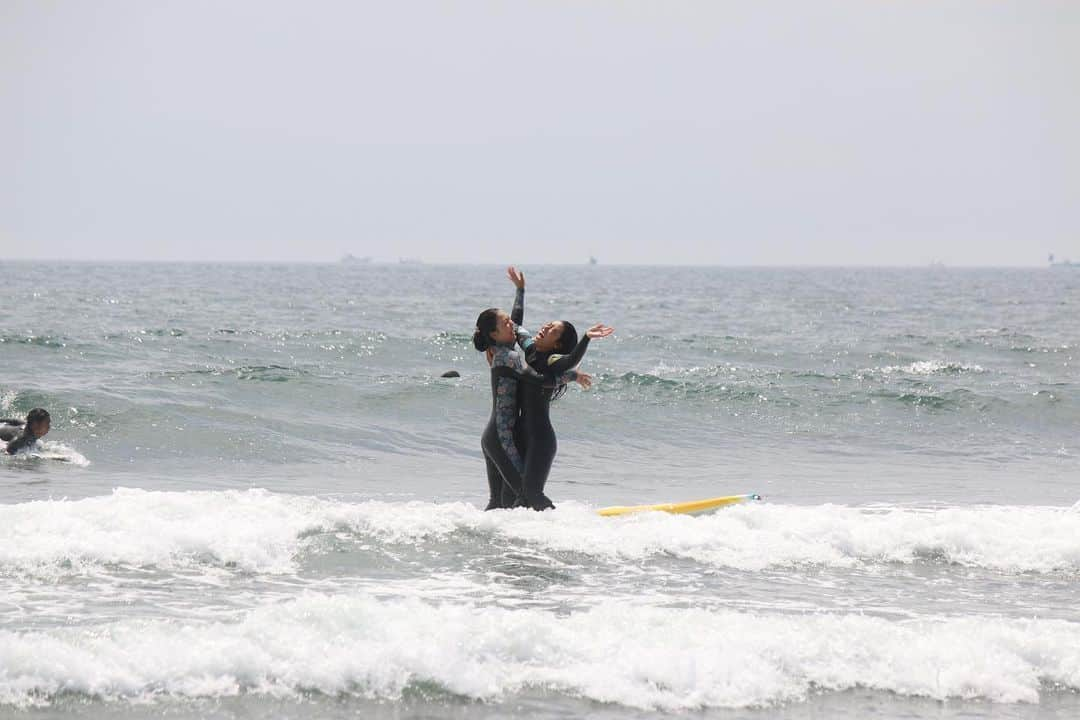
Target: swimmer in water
{"points": [[36, 427]]}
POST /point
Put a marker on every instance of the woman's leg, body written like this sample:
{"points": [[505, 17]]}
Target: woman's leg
{"points": [[496, 486], [505, 467], [521, 442], [537, 467]]}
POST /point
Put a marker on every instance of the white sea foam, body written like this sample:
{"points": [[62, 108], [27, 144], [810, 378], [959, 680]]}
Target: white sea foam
{"points": [[253, 530], [53, 450], [1020, 539], [259, 531], [644, 657], [926, 367]]}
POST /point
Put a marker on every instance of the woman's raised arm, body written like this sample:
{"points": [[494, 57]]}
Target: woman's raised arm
{"points": [[560, 364], [517, 315]]}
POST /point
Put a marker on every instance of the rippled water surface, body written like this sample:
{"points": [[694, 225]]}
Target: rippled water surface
{"points": [[259, 497]]}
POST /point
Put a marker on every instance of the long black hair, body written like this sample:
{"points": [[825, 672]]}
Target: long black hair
{"points": [[485, 325], [566, 343], [568, 339]]}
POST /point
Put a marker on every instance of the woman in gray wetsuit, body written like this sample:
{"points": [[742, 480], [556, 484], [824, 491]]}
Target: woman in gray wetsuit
{"points": [[497, 334]]}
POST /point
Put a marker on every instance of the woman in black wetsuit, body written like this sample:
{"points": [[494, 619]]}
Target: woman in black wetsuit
{"points": [[506, 342], [502, 339], [553, 351]]}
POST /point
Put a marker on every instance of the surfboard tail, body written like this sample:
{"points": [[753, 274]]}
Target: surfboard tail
{"points": [[693, 507]]}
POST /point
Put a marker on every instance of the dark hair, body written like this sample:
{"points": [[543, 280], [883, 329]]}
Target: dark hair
{"points": [[37, 415], [568, 340], [485, 325], [565, 344]]}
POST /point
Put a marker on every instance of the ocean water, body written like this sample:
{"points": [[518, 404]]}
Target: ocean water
{"points": [[259, 498]]}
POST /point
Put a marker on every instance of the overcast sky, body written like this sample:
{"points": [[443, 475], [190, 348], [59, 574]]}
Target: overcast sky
{"points": [[862, 132]]}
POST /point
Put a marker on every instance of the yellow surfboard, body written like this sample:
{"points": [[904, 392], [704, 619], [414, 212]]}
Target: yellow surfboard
{"points": [[694, 507]]}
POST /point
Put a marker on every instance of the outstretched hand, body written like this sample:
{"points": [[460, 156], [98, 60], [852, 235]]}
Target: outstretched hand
{"points": [[516, 277], [599, 330], [584, 379]]}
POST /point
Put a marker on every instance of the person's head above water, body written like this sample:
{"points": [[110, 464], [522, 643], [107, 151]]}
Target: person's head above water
{"points": [[492, 327], [557, 336], [38, 422]]}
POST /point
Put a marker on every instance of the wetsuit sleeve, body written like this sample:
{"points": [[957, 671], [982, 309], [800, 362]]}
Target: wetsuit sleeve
{"points": [[19, 443], [523, 368], [559, 365], [532, 378], [517, 315], [524, 338], [512, 359]]}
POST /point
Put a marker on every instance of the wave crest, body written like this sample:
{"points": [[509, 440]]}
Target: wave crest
{"points": [[645, 657], [259, 531]]}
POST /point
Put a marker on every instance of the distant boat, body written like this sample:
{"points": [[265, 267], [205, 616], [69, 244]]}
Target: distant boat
{"points": [[1062, 263], [350, 259], [592, 260], [410, 261]]}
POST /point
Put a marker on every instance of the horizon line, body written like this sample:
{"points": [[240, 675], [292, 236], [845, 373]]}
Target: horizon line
{"points": [[448, 263]]}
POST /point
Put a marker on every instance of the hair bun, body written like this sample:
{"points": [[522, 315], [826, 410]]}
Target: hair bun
{"points": [[485, 325]]}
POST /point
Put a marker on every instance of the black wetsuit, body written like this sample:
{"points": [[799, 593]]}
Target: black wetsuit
{"points": [[504, 460], [9, 431], [536, 436]]}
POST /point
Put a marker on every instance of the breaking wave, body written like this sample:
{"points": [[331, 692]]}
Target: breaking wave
{"points": [[259, 531], [645, 657]]}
